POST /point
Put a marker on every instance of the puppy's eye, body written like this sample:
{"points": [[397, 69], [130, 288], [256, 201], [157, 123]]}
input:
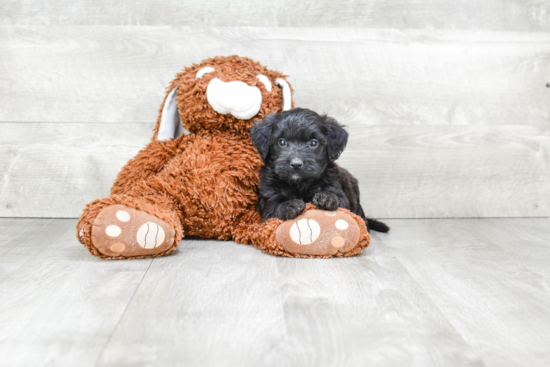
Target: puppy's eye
{"points": [[282, 142], [313, 144]]}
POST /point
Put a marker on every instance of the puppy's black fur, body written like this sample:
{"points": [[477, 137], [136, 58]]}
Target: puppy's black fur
{"points": [[299, 148]]}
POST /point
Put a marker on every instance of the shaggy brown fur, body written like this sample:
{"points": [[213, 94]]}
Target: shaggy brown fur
{"points": [[203, 184]]}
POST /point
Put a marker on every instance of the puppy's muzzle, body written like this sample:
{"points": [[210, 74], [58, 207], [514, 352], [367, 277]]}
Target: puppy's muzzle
{"points": [[237, 98], [296, 163]]}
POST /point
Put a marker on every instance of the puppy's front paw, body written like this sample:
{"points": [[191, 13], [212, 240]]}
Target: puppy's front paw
{"points": [[325, 201], [292, 208]]}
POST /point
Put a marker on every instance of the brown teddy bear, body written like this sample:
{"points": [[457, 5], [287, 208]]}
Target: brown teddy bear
{"points": [[202, 182]]}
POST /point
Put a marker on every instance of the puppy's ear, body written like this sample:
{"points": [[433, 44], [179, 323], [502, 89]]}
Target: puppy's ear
{"points": [[337, 137], [260, 134]]}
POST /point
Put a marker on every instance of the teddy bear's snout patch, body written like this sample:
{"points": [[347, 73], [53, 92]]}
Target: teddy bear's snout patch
{"points": [[237, 98]]}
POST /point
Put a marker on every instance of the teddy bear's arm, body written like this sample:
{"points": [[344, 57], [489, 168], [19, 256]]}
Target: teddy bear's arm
{"points": [[149, 161]]}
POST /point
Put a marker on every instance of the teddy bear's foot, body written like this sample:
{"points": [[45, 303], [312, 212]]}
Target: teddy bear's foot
{"points": [[321, 233], [120, 231]]}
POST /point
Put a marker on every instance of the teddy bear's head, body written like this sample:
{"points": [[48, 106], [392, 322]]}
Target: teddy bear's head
{"points": [[222, 94]]}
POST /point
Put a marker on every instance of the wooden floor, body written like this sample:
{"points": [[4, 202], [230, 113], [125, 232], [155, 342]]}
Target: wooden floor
{"points": [[433, 292]]}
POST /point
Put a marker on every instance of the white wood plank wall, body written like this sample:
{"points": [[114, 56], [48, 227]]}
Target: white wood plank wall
{"points": [[446, 101], [505, 15]]}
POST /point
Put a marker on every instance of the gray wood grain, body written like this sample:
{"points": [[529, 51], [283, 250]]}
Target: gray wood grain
{"points": [[364, 311], [53, 170], [491, 296], [359, 76], [210, 304], [510, 15], [525, 239], [59, 304], [451, 292], [221, 304], [18, 239]]}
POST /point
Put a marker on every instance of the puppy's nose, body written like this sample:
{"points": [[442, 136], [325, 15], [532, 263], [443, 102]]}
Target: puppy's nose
{"points": [[296, 163]]}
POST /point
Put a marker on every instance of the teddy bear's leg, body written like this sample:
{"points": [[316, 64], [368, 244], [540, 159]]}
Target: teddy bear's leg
{"points": [[122, 226], [315, 233]]}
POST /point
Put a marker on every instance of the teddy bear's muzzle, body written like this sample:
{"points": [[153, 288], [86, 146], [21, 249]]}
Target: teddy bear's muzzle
{"points": [[237, 98]]}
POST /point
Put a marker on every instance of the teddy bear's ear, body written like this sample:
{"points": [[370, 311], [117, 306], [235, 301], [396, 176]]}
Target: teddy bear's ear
{"points": [[170, 122], [287, 93]]}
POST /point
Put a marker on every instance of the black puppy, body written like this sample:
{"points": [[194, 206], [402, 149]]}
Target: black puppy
{"points": [[299, 148]]}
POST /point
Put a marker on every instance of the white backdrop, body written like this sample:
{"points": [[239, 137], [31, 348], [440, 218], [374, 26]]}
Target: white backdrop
{"points": [[446, 102]]}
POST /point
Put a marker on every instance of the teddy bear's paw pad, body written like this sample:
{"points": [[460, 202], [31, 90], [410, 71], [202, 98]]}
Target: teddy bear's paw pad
{"points": [[319, 232], [123, 231]]}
